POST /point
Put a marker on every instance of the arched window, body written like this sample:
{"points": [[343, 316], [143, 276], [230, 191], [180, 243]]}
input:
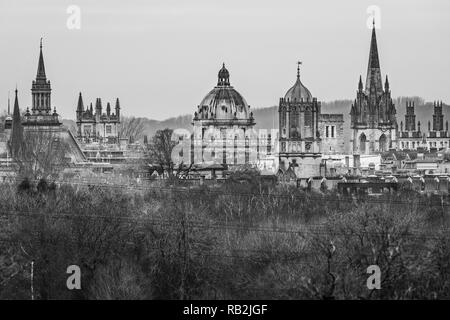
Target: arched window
{"points": [[383, 143], [362, 143]]}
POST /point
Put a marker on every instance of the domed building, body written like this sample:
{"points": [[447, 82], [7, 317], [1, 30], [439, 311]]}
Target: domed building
{"points": [[222, 125]]}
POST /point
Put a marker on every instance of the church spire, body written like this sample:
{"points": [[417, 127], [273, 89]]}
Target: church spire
{"points": [[17, 129], [41, 67], [373, 69]]}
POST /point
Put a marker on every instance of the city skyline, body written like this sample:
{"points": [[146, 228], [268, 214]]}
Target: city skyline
{"points": [[144, 61]]}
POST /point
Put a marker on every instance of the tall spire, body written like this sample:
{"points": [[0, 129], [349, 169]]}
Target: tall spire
{"points": [[373, 69], [9, 108], [41, 67], [17, 129]]}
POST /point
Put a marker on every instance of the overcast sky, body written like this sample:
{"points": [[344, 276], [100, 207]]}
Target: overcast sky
{"points": [[162, 57]]}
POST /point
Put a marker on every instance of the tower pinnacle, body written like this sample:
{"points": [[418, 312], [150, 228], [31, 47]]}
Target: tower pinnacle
{"points": [[41, 68], [373, 80]]}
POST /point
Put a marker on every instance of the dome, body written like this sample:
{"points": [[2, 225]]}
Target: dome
{"points": [[223, 101], [298, 91]]}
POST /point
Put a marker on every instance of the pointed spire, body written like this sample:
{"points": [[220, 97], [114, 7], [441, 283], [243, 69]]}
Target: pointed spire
{"points": [[373, 69], [9, 108], [360, 84], [386, 84], [41, 68], [17, 129], [16, 100], [108, 109], [80, 106], [118, 108]]}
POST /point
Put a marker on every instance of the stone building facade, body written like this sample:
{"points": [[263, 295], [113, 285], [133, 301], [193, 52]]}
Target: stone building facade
{"points": [[305, 133], [435, 135], [98, 126], [40, 120], [331, 128]]}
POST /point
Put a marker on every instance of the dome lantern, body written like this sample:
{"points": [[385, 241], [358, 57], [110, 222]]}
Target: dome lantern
{"points": [[223, 77]]}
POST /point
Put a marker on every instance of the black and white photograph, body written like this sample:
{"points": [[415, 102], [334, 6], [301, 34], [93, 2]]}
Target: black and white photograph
{"points": [[224, 156]]}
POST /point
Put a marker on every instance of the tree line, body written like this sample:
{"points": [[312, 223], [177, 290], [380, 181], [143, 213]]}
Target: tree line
{"points": [[234, 241]]}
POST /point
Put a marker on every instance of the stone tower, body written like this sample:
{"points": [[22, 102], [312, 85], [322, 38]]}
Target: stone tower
{"points": [[41, 111], [299, 137], [373, 121]]}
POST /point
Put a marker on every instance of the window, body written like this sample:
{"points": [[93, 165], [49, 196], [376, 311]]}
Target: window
{"points": [[326, 131], [108, 129], [332, 131], [87, 129]]}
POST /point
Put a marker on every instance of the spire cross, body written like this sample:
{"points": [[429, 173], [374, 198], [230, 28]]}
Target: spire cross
{"points": [[41, 42]]}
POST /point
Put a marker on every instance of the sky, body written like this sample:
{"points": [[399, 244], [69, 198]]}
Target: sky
{"points": [[161, 57]]}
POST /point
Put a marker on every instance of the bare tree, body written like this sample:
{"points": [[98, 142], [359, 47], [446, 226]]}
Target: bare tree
{"points": [[160, 154], [42, 154], [132, 128]]}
